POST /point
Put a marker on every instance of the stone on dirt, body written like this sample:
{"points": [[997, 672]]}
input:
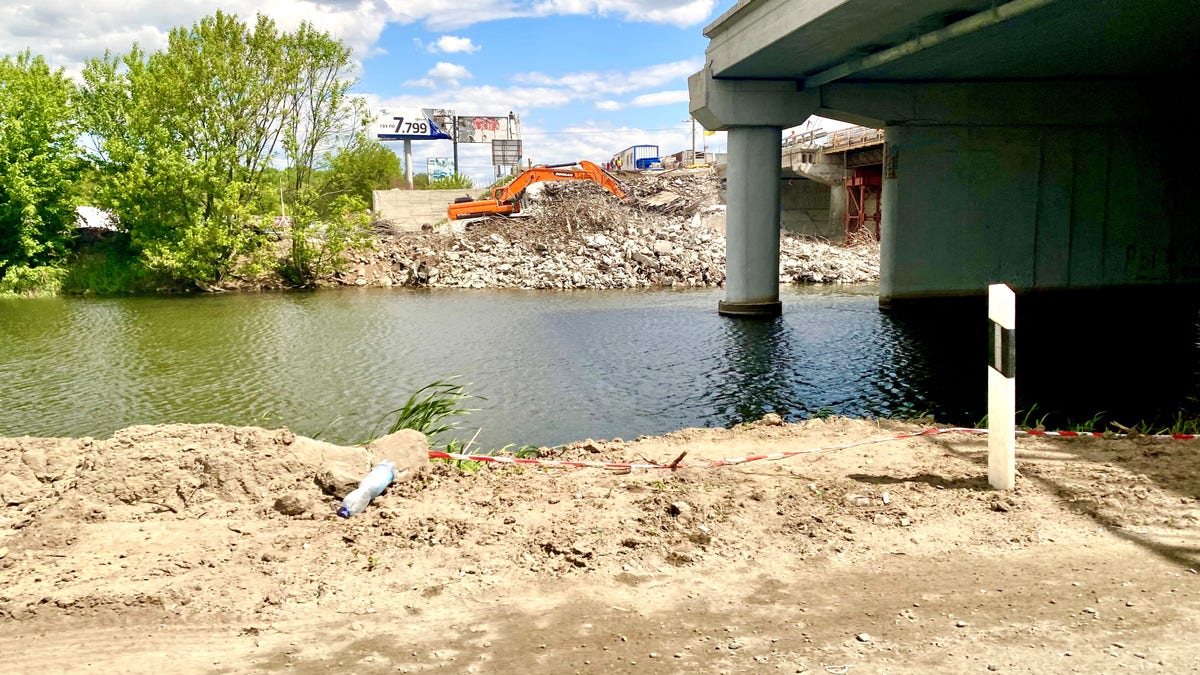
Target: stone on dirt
{"points": [[407, 448], [293, 504], [340, 469]]}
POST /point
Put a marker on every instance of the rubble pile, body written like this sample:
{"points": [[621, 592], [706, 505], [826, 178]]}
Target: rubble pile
{"points": [[669, 232]]}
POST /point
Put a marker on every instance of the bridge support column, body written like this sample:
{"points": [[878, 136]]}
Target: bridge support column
{"points": [[752, 223], [755, 114]]}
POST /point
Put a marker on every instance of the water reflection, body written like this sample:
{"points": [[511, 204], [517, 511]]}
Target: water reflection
{"points": [[555, 367], [758, 372], [1071, 365]]}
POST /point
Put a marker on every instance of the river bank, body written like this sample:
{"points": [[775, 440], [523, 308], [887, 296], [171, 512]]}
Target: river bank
{"points": [[669, 233], [215, 548]]}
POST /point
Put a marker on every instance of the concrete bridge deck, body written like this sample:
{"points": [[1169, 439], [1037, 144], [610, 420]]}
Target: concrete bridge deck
{"points": [[1020, 136]]}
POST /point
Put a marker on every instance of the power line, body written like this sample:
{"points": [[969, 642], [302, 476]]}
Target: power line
{"points": [[579, 133]]}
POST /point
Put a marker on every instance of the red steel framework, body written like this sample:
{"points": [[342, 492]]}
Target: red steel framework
{"points": [[862, 184]]}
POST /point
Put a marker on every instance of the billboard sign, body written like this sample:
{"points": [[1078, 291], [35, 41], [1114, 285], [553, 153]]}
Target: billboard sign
{"points": [[440, 167], [405, 125], [506, 152], [485, 129], [443, 118]]}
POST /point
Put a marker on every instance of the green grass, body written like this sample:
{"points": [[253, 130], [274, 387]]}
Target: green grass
{"points": [[432, 410], [1029, 422], [110, 267], [1181, 423]]}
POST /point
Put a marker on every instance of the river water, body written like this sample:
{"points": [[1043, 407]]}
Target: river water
{"points": [[552, 367]]}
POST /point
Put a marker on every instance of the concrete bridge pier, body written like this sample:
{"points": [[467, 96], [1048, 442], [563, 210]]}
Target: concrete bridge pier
{"points": [[755, 114], [752, 223]]}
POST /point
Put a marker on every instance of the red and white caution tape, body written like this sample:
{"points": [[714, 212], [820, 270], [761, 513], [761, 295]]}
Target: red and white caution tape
{"points": [[775, 456], [507, 459], [1100, 434]]}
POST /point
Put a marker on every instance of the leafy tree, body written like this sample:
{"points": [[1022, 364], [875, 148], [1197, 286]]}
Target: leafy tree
{"points": [[319, 106], [457, 181], [185, 137], [358, 169], [38, 159], [318, 247]]}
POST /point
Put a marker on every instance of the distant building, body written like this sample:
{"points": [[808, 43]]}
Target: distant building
{"points": [[636, 158], [90, 217], [686, 158]]}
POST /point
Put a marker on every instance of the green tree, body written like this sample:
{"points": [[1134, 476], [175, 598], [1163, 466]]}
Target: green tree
{"points": [[38, 159], [358, 169], [320, 108], [318, 247], [185, 137]]}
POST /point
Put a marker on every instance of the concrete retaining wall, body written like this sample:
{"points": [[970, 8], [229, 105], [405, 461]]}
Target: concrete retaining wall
{"points": [[805, 208], [410, 209]]}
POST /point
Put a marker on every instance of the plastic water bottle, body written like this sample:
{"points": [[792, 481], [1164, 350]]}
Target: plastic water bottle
{"points": [[376, 482]]}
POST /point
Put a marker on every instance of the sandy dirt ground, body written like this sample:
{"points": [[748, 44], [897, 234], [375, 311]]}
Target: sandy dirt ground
{"points": [[216, 550]]}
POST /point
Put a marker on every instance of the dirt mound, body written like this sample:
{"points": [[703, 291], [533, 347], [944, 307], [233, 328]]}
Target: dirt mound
{"points": [[182, 469], [470, 567]]}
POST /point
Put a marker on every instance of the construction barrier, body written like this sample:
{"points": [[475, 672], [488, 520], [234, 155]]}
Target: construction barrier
{"points": [[775, 456]]}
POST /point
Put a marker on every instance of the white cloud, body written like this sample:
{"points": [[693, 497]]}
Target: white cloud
{"points": [[533, 91], [452, 44], [445, 73], [660, 98], [681, 13], [451, 72], [614, 82], [657, 98], [67, 35], [598, 143], [479, 99]]}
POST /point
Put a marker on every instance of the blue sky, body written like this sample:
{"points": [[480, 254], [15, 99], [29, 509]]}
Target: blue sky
{"points": [[584, 86], [587, 77]]}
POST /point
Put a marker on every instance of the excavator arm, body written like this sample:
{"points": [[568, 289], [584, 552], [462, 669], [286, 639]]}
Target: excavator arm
{"points": [[507, 200]]}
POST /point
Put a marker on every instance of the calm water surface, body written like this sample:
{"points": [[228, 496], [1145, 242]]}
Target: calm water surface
{"points": [[553, 367]]}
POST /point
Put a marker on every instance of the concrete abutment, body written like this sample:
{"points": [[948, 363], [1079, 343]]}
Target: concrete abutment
{"points": [[1043, 208]]}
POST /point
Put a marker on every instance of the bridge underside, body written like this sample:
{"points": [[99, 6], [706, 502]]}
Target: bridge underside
{"points": [[1035, 143]]}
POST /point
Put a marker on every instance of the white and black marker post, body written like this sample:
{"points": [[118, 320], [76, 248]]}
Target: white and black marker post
{"points": [[1002, 387]]}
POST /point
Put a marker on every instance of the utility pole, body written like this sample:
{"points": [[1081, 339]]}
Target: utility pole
{"points": [[408, 167], [454, 139], [693, 140]]}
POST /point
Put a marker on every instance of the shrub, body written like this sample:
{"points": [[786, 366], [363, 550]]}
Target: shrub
{"points": [[23, 280]]}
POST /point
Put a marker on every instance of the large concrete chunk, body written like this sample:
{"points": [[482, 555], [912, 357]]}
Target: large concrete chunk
{"points": [[407, 448]]}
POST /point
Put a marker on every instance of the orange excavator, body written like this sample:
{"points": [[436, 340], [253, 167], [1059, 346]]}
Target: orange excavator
{"points": [[506, 200]]}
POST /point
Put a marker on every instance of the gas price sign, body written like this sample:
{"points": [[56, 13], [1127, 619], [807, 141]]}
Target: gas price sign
{"points": [[406, 125]]}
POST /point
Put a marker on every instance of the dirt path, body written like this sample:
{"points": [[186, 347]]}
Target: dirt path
{"points": [[162, 550]]}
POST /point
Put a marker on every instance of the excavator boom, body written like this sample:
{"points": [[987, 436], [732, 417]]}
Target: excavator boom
{"points": [[507, 200]]}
